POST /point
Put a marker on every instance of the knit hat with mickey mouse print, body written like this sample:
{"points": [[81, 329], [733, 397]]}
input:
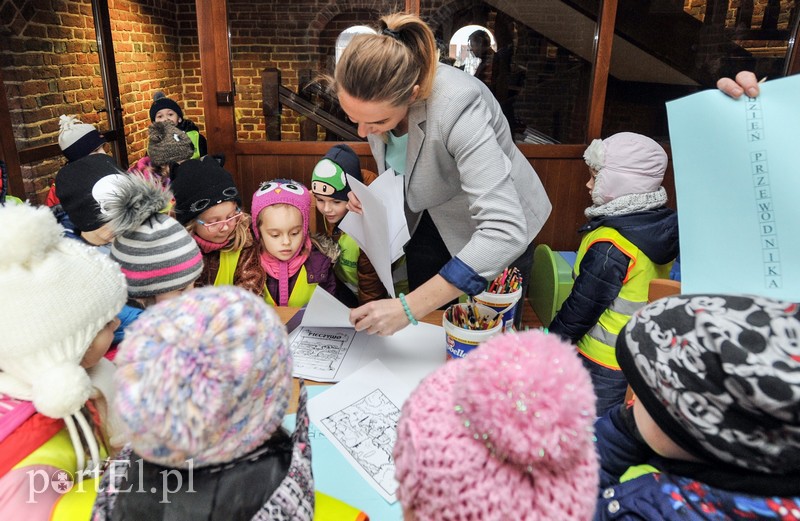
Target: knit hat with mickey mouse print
{"points": [[720, 375]]}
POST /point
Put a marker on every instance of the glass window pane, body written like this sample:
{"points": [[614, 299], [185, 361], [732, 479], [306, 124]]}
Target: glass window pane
{"points": [[541, 62], [667, 49]]}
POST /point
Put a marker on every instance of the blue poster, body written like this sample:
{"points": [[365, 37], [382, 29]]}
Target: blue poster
{"points": [[737, 181]]}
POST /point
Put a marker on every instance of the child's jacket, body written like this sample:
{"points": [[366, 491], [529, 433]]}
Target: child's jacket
{"points": [[38, 466], [632, 488], [617, 259]]}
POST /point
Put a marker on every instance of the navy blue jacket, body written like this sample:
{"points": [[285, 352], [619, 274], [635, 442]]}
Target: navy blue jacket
{"points": [[681, 493], [604, 266]]}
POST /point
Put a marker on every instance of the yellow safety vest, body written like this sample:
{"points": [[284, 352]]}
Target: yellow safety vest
{"points": [[227, 267], [301, 292], [58, 452], [599, 343], [194, 137], [346, 267]]}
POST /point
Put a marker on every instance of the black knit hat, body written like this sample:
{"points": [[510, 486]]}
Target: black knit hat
{"points": [[161, 101], [83, 186], [199, 184], [720, 375], [328, 177], [168, 144]]}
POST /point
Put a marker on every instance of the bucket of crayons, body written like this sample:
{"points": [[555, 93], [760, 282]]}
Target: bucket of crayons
{"points": [[467, 325], [503, 295]]}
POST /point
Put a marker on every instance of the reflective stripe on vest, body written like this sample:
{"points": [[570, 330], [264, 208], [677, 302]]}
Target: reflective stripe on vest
{"points": [[599, 343], [227, 267], [301, 292], [346, 267], [194, 136]]}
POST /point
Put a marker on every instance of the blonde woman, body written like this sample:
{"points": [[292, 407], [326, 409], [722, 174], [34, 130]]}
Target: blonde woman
{"points": [[473, 201]]}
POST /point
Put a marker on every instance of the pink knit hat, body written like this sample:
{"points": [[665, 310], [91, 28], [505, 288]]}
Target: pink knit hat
{"points": [[626, 163], [281, 191], [505, 433]]}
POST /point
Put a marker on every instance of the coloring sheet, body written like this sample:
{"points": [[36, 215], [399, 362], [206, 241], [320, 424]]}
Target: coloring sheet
{"points": [[382, 231], [359, 417], [334, 475], [326, 348]]}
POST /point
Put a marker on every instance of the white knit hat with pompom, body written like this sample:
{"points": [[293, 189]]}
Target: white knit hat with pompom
{"points": [[56, 294]]}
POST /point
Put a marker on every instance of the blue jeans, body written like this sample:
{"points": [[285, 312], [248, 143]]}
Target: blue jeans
{"points": [[609, 385]]}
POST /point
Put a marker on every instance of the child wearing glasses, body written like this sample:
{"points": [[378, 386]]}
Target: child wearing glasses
{"points": [[293, 263], [208, 204]]}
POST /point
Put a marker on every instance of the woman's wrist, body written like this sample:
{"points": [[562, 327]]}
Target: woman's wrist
{"points": [[407, 310]]}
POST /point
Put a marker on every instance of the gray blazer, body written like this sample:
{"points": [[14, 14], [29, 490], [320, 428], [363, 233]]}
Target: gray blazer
{"points": [[463, 166]]}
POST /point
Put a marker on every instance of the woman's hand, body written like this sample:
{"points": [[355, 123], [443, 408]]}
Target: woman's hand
{"points": [[380, 317], [353, 204], [745, 83]]}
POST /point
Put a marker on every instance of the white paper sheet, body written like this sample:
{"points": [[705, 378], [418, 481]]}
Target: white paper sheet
{"points": [[326, 348], [382, 230], [359, 417]]}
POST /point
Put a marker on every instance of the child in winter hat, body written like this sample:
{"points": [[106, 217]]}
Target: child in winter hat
{"points": [[293, 264], [168, 145], [353, 269], [630, 239], [209, 205], [157, 256], [77, 139], [203, 383], [84, 187], [715, 423], [57, 315], [166, 109], [505, 433]]}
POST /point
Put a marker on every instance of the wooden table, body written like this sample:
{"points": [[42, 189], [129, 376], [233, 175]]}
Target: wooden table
{"points": [[529, 319]]}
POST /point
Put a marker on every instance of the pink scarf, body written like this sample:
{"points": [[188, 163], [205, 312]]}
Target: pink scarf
{"points": [[283, 270], [208, 246]]}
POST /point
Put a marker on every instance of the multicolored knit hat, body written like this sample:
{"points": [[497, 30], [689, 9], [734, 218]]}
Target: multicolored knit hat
{"points": [[156, 254], [84, 186], [329, 178], [77, 139], [160, 102], [200, 184], [206, 377], [505, 433], [626, 163], [281, 191], [168, 144], [720, 374]]}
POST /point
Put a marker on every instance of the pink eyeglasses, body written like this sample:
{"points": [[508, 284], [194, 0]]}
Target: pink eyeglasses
{"points": [[217, 226]]}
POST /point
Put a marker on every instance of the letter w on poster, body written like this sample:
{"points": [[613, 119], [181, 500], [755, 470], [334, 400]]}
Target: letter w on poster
{"points": [[382, 231], [737, 180]]}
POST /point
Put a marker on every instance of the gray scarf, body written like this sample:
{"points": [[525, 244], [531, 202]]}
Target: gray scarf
{"points": [[630, 203]]}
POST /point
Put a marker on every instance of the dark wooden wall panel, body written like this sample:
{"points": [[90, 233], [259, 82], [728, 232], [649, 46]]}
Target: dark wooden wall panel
{"points": [[564, 179]]}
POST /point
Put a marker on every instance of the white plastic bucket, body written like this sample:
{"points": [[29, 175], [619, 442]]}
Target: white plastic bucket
{"points": [[505, 303], [460, 341]]}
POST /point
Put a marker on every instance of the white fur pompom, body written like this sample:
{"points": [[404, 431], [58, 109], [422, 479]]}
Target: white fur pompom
{"points": [[26, 233], [67, 122], [61, 390], [595, 155]]}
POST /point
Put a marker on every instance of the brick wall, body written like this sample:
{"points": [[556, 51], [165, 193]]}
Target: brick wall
{"points": [[50, 61]]}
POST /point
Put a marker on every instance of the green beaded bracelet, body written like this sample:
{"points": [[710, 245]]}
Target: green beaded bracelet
{"points": [[408, 310]]}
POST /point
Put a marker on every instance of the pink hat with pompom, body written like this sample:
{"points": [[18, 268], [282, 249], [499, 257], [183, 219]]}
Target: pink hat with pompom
{"points": [[505, 433]]}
